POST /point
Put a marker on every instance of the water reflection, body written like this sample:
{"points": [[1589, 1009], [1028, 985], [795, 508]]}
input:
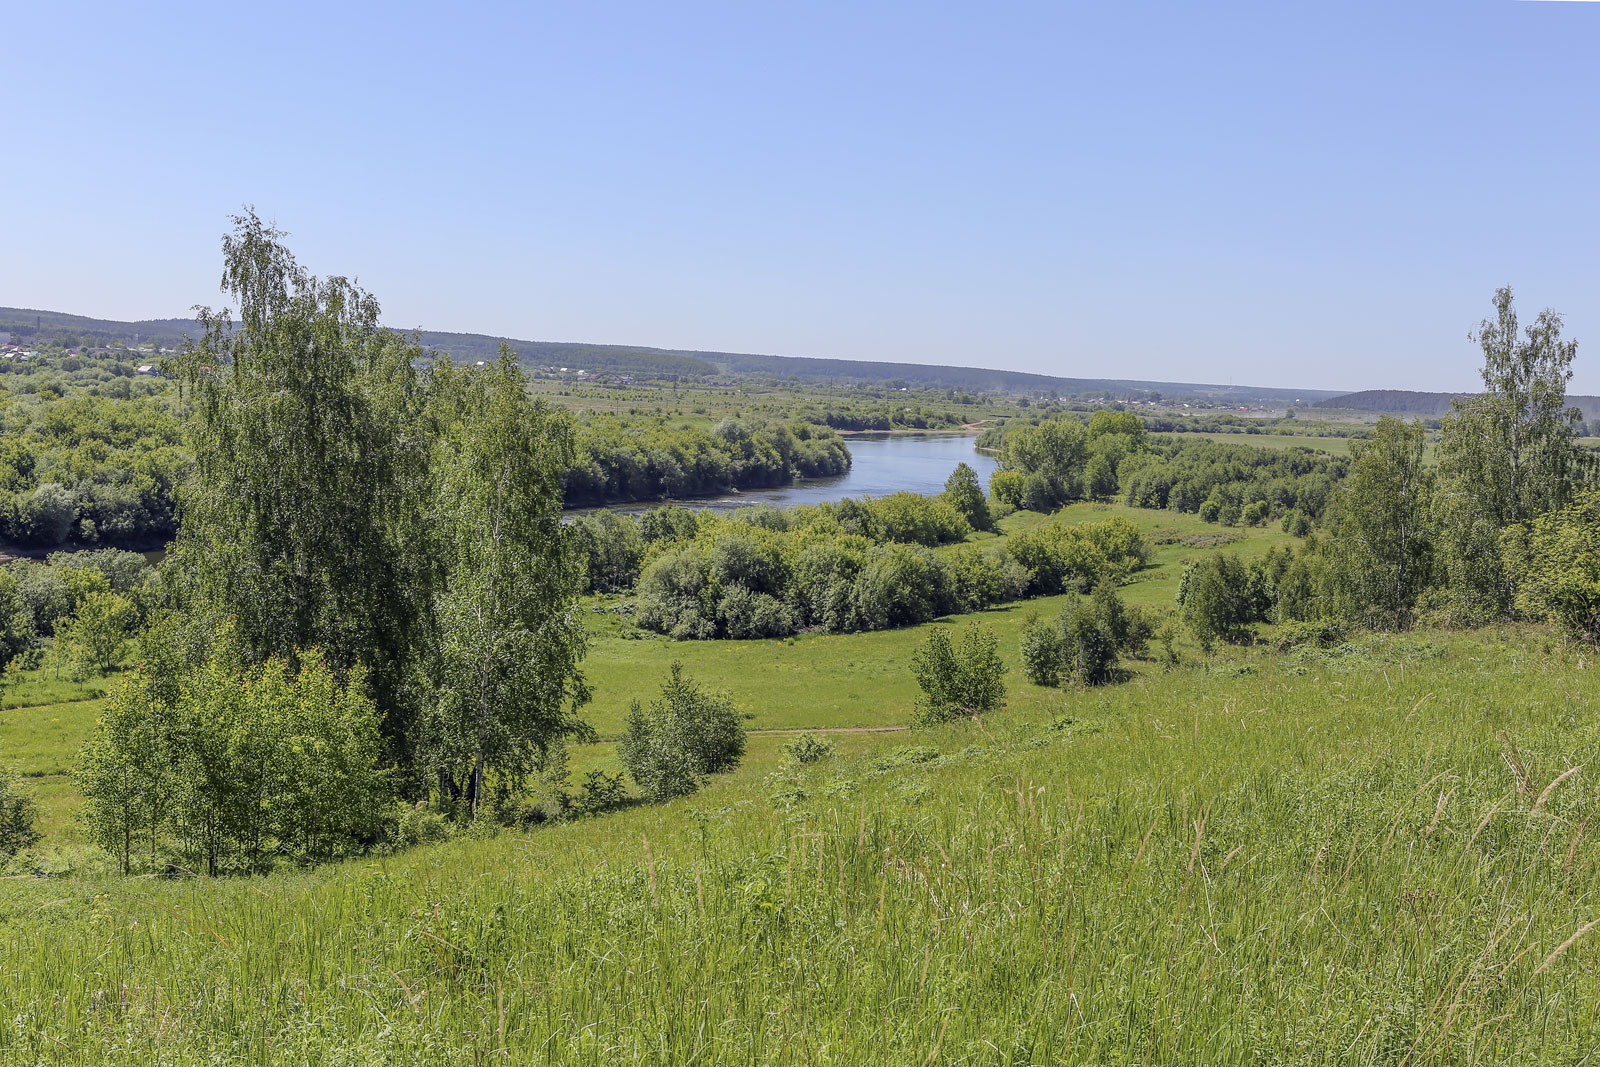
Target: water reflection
{"points": [[880, 464]]}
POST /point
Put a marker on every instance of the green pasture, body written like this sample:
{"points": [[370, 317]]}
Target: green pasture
{"points": [[1375, 854]]}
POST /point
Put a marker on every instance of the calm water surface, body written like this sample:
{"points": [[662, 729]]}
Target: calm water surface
{"points": [[881, 464]]}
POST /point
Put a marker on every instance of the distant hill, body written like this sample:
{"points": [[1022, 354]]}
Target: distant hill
{"points": [[659, 363], [1425, 405]]}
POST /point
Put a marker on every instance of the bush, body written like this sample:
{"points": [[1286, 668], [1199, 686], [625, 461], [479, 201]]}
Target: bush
{"points": [[1319, 633], [808, 748], [409, 825], [671, 746], [599, 792], [958, 681], [229, 767], [17, 814], [1556, 561], [1043, 652], [963, 492], [1085, 641]]}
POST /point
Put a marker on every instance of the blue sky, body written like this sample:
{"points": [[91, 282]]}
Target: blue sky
{"points": [[1319, 195]]}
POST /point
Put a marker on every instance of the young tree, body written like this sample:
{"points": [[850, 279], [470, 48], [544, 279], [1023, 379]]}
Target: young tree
{"points": [[1383, 543], [507, 680], [1216, 600], [1507, 454], [230, 766], [958, 680], [674, 743], [965, 494], [304, 521], [97, 633]]}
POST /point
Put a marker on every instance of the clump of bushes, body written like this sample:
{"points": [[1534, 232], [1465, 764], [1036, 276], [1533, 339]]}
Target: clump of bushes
{"points": [[770, 573], [1086, 641], [233, 767], [958, 679], [675, 742], [809, 748]]}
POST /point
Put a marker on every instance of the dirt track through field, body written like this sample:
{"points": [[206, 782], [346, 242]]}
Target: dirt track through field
{"points": [[835, 730]]}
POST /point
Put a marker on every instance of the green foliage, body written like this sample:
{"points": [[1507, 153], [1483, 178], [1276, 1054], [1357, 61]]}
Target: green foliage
{"points": [[1555, 562], [1052, 457], [600, 792], [1230, 483], [1043, 652], [672, 745], [612, 548], [97, 634], [1217, 601], [964, 492], [1061, 557], [232, 767], [809, 748], [849, 566], [17, 815], [84, 470], [1506, 455], [302, 522], [1382, 548], [958, 680], [506, 678], [1086, 641], [618, 461]]}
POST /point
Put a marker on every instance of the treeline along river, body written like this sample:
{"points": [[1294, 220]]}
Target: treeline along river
{"points": [[880, 464]]}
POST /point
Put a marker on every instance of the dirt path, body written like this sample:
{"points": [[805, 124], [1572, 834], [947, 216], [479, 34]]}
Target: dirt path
{"points": [[835, 730]]}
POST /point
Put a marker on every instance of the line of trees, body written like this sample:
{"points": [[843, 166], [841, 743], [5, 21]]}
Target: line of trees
{"points": [[617, 461], [840, 567], [1503, 525], [1060, 460]]}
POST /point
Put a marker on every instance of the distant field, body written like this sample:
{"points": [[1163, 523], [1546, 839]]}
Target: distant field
{"points": [[1338, 446]]}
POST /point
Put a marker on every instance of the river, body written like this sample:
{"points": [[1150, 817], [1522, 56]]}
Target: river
{"points": [[880, 464]]}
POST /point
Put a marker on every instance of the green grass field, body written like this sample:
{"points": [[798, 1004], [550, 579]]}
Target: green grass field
{"points": [[1360, 856], [1373, 854]]}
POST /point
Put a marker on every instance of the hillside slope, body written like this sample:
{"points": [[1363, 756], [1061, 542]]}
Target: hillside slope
{"points": [[646, 362]]}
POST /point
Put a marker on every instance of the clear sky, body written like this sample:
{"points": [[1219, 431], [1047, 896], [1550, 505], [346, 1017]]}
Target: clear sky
{"points": [[1285, 193]]}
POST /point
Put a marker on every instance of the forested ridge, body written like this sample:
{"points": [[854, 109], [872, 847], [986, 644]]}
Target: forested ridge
{"points": [[667, 364]]}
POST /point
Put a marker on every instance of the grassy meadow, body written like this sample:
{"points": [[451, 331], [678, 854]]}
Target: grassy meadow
{"points": [[1375, 854]]}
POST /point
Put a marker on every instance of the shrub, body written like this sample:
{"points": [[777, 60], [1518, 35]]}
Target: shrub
{"points": [[1319, 633], [958, 681], [17, 814], [229, 767], [599, 792], [1085, 641], [1556, 561], [808, 748], [673, 744], [1043, 652]]}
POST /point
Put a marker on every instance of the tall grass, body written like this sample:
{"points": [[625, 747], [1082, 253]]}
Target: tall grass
{"points": [[1376, 855]]}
